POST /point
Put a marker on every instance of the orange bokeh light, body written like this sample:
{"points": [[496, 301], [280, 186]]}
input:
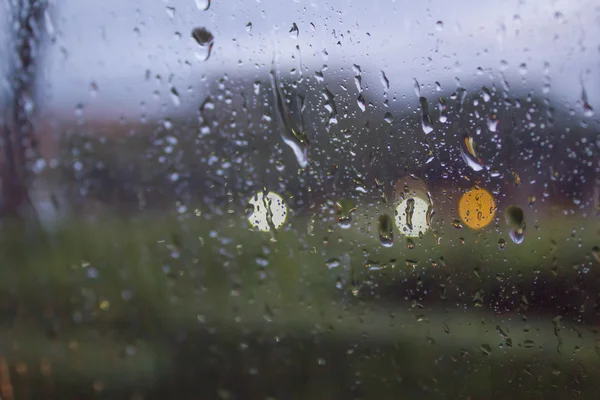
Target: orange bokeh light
{"points": [[477, 208]]}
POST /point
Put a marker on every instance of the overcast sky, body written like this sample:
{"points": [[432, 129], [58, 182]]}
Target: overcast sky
{"points": [[111, 44]]}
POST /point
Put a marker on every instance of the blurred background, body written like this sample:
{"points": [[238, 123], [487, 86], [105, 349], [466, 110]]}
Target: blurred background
{"points": [[299, 199]]}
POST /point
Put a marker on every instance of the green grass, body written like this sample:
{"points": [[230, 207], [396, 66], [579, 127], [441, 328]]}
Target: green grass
{"points": [[204, 307]]}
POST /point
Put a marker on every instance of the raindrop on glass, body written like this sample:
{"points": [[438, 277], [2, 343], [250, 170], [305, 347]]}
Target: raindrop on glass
{"points": [[206, 40], [468, 151], [515, 219], [203, 5], [385, 227]]}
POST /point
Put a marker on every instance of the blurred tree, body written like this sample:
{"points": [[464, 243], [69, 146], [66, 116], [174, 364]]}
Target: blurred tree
{"points": [[24, 27]]}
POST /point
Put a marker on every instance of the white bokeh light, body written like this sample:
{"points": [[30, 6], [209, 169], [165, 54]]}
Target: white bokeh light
{"points": [[419, 217], [267, 207]]}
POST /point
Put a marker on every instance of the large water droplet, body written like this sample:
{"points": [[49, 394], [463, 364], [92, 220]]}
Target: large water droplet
{"points": [[492, 122], [426, 122], [385, 81], [515, 219], [345, 208], [294, 31], [385, 227], [206, 40], [170, 12], [360, 100], [588, 111], [291, 136], [203, 4], [443, 110], [175, 97], [468, 151], [417, 87]]}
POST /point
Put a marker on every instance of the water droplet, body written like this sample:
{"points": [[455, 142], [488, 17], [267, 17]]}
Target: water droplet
{"points": [[485, 94], [523, 69], [249, 27], [332, 263], [443, 111], [478, 298], [361, 103], [515, 219], [290, 135], [389, 118], [386, 230], [170, 12], [439, 26], [345, 208], [384, 81], [294, 30], [93, 89], [468, 151], [175, 97], [492, 122], [588, 111], [203, 5], [417, 87], [206, 41], [486, 349], [596, 253], [501, 244], [426, 122]]}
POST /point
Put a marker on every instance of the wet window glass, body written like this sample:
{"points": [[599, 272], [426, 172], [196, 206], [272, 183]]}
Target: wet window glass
{"points": [[299, 199]]}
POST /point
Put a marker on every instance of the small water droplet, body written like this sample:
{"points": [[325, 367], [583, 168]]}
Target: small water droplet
{"points": [[486, 349], [203, 5], [170, 12], [523, 69], [385, 228], [206, 41], [501, 244], [456, 224], [439, 25], [249, 27]]}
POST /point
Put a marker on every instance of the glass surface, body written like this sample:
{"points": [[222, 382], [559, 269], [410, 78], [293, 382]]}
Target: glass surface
{"points": [[299, 199]]}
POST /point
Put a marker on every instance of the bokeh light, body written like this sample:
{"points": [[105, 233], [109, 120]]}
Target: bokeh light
{"points": [[477, 208], [267, 212], [411, 216]]}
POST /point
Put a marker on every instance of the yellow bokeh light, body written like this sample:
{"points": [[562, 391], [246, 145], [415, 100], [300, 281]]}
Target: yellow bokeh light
{"points": [[477, 208]]}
